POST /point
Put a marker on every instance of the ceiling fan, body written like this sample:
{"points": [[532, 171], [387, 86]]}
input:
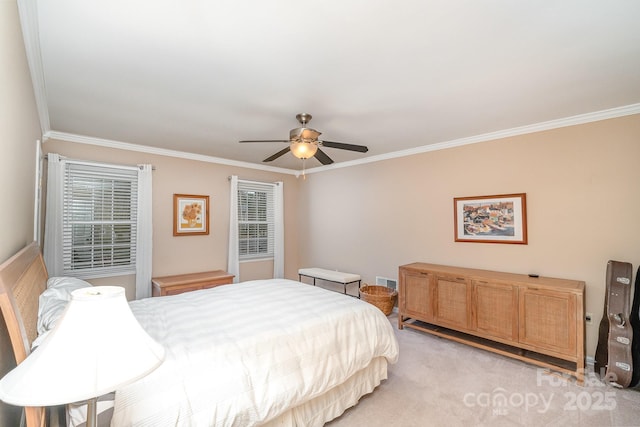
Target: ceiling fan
{"points": [[304, 144]]}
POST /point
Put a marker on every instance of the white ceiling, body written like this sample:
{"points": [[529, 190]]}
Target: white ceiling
{"points": [[197, 76]]}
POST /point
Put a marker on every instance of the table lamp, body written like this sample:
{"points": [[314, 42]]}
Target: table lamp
{"points": [[96, 347]]}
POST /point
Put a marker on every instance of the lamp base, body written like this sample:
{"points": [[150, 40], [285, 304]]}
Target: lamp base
{"points": [[92, 412]]}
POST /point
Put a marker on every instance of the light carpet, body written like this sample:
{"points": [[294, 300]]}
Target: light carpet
{"points": [[438, 382]]}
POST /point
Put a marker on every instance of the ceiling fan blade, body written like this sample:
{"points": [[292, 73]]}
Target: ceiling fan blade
{"points": [[323, 158], [278, 154], [266, 140], [343, 146]]}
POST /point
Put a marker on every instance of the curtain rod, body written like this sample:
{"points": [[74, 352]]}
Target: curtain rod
{"points": [[90, 163], [254, 182]]}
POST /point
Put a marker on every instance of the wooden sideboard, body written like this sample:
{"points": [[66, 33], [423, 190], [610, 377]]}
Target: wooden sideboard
{"points": [[179, 283], [539, 320]]}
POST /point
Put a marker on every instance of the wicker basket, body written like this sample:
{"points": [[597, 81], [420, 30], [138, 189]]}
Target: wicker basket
{"points": [[382, 297]]}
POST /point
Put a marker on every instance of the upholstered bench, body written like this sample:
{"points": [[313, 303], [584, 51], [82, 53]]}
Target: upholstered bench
{"points": [[330, 276]]}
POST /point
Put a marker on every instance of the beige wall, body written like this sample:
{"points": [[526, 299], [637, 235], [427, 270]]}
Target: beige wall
{"points": [[580, 182], [582, 185], [19, 131], [184, 254]]}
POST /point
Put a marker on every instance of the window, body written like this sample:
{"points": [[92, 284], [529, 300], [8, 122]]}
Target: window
{"points": [[99, 217], [255, 220]]}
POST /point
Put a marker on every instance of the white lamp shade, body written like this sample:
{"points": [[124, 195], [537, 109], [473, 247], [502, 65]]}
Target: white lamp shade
{"points": [[303, 150], [96, 347]]}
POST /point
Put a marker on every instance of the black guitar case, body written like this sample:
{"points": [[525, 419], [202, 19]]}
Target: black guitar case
{"points": [[635, 325], [614, 362]]}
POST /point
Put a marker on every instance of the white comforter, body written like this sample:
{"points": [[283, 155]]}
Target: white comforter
{"points": [[242, 354]]}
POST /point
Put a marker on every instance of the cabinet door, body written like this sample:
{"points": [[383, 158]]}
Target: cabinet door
{"points": [[496, 309], [452, 302], [548, 320], [416, 299]]}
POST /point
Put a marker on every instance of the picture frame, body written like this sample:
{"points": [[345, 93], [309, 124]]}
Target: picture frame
{"points": [[190, 215], [491, 219]]}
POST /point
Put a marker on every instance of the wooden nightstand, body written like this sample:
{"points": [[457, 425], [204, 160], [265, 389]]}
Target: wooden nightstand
{"points": [[179, 283]]}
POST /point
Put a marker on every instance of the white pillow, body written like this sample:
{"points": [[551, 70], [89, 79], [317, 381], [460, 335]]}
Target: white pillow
{"points": [[53, 301]]}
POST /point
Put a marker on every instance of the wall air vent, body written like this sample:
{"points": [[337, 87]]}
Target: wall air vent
{"points": [[385, 281]]}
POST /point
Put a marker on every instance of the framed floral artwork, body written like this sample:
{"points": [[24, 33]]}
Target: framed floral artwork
{"points": [[190, 215], [491, 219]]}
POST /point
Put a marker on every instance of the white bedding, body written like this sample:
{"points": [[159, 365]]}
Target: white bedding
{"points": [[244, 354]]}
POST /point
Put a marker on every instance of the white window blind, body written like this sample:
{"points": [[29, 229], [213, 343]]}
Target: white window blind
{"points": [[255, 220], [99, 220]]}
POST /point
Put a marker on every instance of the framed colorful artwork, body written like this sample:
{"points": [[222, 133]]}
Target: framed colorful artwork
{"points": [[190, 215], [491, 219]]}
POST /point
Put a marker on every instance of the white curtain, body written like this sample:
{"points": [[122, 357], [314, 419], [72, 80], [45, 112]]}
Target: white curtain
{"points": [[278, 247], [144, 240], [53, 220], [233, 266]]}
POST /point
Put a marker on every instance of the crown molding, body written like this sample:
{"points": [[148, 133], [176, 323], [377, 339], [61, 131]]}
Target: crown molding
{"points": [[81, 139], [28, 11], [522, 130], [580, 119]]}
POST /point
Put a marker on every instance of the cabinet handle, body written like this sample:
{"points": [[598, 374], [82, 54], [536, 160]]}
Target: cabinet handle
{"points": [[451, 279]]}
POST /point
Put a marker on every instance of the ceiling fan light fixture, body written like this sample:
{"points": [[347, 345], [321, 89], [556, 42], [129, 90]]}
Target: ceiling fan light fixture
{"points": [[303, 149], [304, 144]]}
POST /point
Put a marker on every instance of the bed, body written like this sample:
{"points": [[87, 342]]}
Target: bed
{"points": [[273, 352]]}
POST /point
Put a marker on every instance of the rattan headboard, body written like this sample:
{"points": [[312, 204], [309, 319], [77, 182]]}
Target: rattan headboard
{"points": [[23, 277]]}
